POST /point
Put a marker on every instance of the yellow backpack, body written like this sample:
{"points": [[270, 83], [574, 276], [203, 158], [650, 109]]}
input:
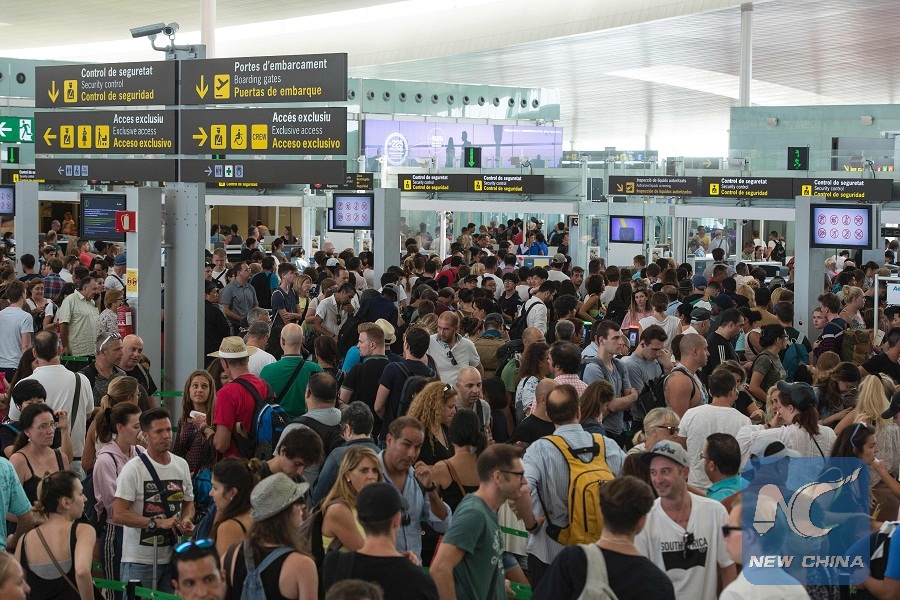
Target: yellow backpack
{"points": [[583, 503]]}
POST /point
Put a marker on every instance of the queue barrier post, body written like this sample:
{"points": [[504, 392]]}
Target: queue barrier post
{"points": [[162, 395]]}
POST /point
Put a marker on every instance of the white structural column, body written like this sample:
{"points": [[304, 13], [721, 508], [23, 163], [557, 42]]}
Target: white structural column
{"points": [[185, 315], [26, 221], [208, 27], [143, 255], [746, 73], [386, 236]]}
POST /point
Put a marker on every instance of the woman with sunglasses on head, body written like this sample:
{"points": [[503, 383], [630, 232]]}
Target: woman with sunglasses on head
{"points": [[117, 429], [273, 546], [41, 307], [860, 441], [233, 479], [56, 555], [659, 424], [434, 406], [33, 457], [121, 390], [340, 528], [838, 393]]}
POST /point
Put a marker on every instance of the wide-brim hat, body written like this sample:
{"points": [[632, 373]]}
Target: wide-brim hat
{"points": [[274, 494], [233, 347], [390, 334]]}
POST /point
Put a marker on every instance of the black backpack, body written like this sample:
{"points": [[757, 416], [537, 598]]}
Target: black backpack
{"points": [[406, 392], [506, 353], [653, 395], [331, 436], [348, 336], [778, 252], [519, 326]]}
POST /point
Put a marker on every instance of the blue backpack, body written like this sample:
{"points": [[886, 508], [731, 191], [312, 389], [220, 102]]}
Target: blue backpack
{"points": [[795, 355], [269, 421], [253, 585]]}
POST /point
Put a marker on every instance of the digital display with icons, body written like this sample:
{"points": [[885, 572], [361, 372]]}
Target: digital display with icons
{"points": [[7, 200], [97, 217], [841, 226], [351, 212], [626, 230]]}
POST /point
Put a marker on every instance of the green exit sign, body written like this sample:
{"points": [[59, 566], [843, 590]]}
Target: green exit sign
{"points": [[798, 159], [16, 130], [472, 157]]}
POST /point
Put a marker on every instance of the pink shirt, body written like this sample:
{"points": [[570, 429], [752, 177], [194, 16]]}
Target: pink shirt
{"points": [[573, 380]]}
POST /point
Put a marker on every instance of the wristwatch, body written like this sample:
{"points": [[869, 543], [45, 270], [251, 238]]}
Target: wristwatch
{"points": [[152, 524]]}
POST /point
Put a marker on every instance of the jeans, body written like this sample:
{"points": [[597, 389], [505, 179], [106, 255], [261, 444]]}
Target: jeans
{"points": [[144, 574]]}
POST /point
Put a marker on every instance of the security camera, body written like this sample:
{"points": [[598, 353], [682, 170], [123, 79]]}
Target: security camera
{"points": [[170, 29], [148, 30]]}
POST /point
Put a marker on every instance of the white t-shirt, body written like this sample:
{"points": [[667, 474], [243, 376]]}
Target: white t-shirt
{"points": [[14, 322], [332, 316], [554, 275], [524, 292], [59, 382], [609, 292], [258, 360], [525, 392], [741, 589], [698, 423], [136, 485], [114, 282], [537, 314], [662, 541], [672, 327]]}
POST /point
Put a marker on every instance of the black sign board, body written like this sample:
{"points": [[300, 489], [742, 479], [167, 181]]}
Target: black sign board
{"points": [[702, 162], [506, 184], [798, 158], [265, 79], [16, 175], [748, 187], [352, 181], [862, 190], [109, 169], [122, 84], [294, 131], [433, 182], [251, 172], [471, 157], [106, 132], [890, 232], [653, 185]]}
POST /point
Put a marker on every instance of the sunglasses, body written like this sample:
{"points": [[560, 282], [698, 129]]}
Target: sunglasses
{"points": [[670, 428], [727, 529], [201, 544], [687, 541], [112, 336], [855, 431], [452, 358]]}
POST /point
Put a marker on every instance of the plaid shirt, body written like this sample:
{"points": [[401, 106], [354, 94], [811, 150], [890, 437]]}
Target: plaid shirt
{"points": [[572, 380], [53, 284]]}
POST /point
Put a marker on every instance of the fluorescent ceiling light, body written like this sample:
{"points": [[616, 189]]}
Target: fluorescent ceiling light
{"points": [[723, 84]]}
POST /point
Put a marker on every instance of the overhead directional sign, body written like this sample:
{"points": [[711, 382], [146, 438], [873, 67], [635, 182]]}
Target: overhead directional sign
{"points": [[262, 171], [265, 131], [16, 130], [353, 181], [106, 169], [16, 175], [256, 79], [471, 157], [106, 132], [507, 184], [433, 182], [798, 158], [864, 190], [653, 186], [702, 162], [122, 84], [748, 187]]}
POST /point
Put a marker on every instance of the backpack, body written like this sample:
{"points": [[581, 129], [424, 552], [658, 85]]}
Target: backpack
{"points": [[585, 521], [778, 253], [331, 436], [795, 355], [519, 326], [596, 583], [268, 423], [311, 535], [253, 584], [653, 395], [506, 353], [348, 336], [406, 392], [856, 345]]}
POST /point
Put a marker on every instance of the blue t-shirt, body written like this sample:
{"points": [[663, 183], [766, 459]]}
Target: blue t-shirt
{"points": [[893, 567], [13, 499]]}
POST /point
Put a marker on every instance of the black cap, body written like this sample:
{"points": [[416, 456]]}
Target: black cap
{"points": [[378, 502], [800, 394], [894, 408]]}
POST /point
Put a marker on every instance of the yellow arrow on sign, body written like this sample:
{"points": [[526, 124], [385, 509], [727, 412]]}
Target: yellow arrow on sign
{"points": [[619, 187], [201, 89], [53, 92], [49, 136], [201, 136], [708, 163]]}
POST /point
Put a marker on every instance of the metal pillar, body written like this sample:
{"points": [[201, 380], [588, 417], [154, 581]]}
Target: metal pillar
{"points": [[208, 27], [809, 270], [185, 216], [746, 73], [386, 236], [26, 221], [143, 255]]}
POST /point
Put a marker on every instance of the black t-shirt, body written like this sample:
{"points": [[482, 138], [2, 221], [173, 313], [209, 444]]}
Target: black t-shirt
{"points": [[530, 430], [880, 363], [509, 306], [393, 377], [720, 350], [360, 381], [744, 403], [630, 577], [397, 576]]}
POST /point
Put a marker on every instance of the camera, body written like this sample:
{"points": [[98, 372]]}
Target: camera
{"points": [[170, 29], [147, 30]]}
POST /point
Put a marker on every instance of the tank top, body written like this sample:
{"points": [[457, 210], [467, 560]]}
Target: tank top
{"points": [[56, 588], [31, 484], [327, 541], [269, 576], [454, 494]]}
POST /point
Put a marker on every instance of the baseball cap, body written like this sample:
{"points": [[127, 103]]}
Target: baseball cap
{"points": [[667, 449], [494, 318], [332, 262], [378, 502], [700, 314], [685, 285], [559, 258], [801, 395], [894, 408], [723, 301], [120, 260], [699, 281], [771, 449]]}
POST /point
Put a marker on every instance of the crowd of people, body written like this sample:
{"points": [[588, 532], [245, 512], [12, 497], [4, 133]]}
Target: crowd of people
{"points": [[569, 428]]}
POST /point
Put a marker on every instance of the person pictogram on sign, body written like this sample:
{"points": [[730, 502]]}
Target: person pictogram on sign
{"points": [[218, 139]]}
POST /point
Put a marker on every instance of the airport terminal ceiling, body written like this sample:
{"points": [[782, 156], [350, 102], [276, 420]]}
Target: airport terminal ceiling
{"points": [[653, 73]]}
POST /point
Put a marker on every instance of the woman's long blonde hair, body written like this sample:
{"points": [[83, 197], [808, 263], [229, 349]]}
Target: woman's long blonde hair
{"points": [[343, 489], [658, 417], [872, 401], [119, 390]]}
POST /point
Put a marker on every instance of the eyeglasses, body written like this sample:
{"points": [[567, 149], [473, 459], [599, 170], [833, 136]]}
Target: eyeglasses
{"points": [[112, 336], [670, 428], [726, 529], [201, 544], [519, 474], [855, 431], [452, 358], [687, 542], [46, 426]]}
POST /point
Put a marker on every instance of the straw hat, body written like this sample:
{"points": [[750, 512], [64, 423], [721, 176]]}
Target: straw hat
{"points": [[390, 336], [233, 347], [274, 494]]}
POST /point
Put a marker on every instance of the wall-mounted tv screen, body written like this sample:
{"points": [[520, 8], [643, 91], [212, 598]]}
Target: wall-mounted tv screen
{"points": [[97, 217], [7, 200], [350, 212], [841, 226], [626, 230]]}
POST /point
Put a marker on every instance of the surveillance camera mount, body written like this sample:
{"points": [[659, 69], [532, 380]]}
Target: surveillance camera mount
{"points": [[172, 50]]}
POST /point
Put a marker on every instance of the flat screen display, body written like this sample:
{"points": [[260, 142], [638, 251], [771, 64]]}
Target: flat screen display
{"points": [[841, 226], [7, 200], [98, 217], [350, 212], [626, 230]]}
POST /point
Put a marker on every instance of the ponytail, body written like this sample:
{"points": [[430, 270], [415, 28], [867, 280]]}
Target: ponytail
{"points": [[107, 421]]}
